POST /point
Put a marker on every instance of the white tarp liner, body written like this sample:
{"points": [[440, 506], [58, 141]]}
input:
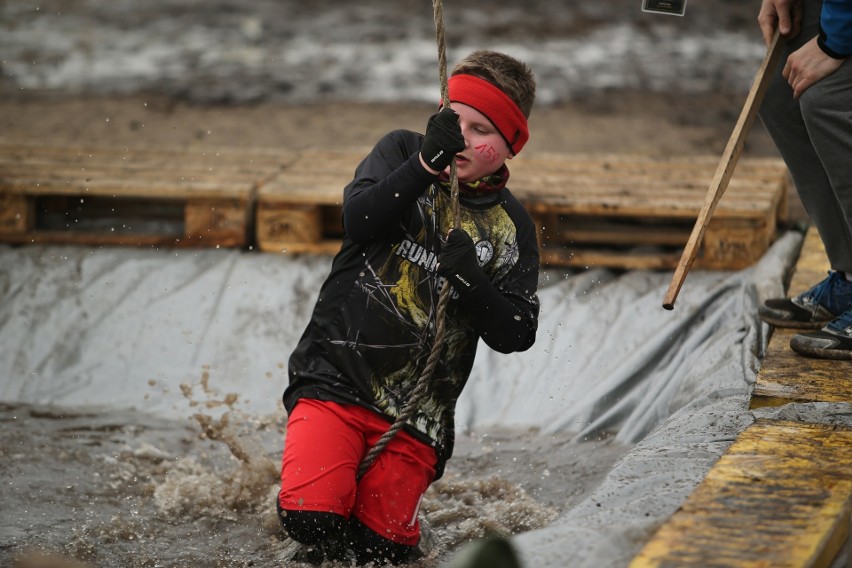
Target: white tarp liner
{"points": [[117, 327]]}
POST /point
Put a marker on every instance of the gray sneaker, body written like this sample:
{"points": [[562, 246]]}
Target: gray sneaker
{"points": [[811, 309], [834, 341]]}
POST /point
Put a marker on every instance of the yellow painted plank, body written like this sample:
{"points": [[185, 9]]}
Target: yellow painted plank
{"points": [[786, 376], [780, 497]]}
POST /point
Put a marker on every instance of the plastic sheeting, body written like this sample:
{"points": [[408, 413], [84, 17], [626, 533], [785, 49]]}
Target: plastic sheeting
{"points": [[124, 327], [609, 358]]}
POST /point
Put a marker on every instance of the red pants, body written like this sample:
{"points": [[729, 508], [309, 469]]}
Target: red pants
{"points": [[325, 444]]}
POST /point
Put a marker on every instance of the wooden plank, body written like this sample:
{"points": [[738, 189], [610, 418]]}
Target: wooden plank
{"points": [[614, 201], [142, 196], [602, 202], [216, 222], [564, 187], [555, 229], [299, 228], [660, 161], [35, 152], [29, 181], [319, 177], [124, 221], [657, 166], [176, 168], [584, 257], [779, 497], [742, 230], [786, 376], [282, 227], [734, 246], [325, 246], [313, 178], [131, 184], [662, 169], [16, 214], [215, 173], [728, 244], [199, 223], [676, 208]]}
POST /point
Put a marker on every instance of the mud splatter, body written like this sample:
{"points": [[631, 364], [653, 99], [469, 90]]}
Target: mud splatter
{"points": [[123, 488]]}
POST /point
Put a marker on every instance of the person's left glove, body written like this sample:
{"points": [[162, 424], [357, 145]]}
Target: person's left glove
{"points": [[458, 263], [443, 139]]}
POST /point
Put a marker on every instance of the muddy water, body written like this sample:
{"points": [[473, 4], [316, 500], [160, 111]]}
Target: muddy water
{"points": [[109, 488]]}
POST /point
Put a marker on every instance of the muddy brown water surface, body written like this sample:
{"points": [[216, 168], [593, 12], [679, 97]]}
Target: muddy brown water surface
{"points": [[120, 488]]}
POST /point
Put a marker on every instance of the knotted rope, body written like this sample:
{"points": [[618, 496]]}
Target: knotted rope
{"points": [[422, 384]]}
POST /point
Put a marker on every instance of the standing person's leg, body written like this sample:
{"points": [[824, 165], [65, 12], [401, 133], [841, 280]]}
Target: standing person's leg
{"points": [[827, 112], [814, 136], [786, 120]]}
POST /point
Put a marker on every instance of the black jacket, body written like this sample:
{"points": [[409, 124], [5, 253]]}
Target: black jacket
{"points": [[372, 328]]}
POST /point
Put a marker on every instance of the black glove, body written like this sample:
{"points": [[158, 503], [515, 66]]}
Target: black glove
{"points": [[503, 325], [443, 139], [459, 264]]}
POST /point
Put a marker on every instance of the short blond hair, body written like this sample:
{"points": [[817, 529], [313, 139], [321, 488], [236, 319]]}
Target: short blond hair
{"points": [[508, 74]]}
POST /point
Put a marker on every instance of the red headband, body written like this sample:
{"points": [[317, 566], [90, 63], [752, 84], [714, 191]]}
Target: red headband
{"points": [[494, 104]]}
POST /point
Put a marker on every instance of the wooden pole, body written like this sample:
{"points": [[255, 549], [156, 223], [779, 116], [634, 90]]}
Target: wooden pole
{"points": [[726, 166]]}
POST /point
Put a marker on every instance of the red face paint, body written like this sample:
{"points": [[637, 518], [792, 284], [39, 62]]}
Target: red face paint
{"points": [[487, 152]]}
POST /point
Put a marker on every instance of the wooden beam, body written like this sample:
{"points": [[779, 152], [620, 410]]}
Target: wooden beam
{"points": [[785, 376], [779, 497]]}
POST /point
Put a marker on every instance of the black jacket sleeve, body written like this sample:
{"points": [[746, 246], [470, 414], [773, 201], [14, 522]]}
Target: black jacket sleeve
{"points": [[386, 183], [505, 323]]}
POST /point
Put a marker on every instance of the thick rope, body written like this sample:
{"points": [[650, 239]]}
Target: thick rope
{"points": [[422, 384]]}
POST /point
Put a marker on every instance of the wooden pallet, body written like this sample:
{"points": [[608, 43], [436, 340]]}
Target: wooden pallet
{"points": [[780, 496], [786, 376], [634, 212], [300, 211], [618, 211], [130, 196]]}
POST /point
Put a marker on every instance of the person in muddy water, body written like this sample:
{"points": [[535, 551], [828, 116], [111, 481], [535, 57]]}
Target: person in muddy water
{"points": [[372, 329], [806, 112]]}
